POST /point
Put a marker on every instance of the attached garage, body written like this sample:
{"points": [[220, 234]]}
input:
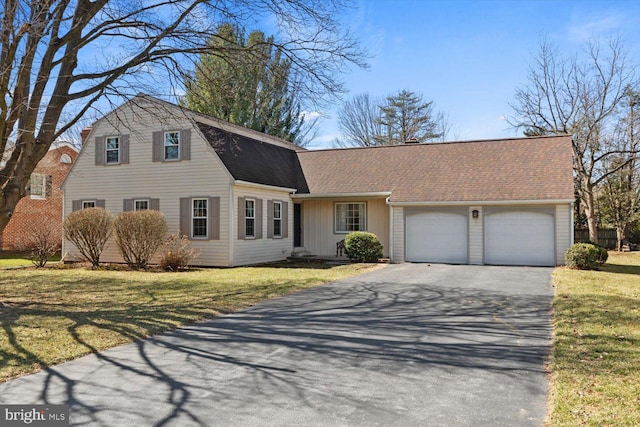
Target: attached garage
{"points": [[519, 237], [437, 236]]}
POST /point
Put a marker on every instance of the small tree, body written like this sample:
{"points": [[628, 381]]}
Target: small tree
{"points": [[89, 230], [139, 234], [40, 242]]}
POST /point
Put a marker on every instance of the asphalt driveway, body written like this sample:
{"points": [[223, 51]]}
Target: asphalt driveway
{"points": [[409, 344]]}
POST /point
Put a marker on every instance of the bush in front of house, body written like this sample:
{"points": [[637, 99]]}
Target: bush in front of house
{"points": [[40, 242], [362, 246], [177, 254], [139, 234], [585, 256], [89, 230]]}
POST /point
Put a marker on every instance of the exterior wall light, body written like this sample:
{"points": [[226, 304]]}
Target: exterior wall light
{"points": [[475, 213]]}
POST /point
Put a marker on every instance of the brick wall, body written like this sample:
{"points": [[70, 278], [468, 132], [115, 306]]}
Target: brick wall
{"points": [[49, 210]]}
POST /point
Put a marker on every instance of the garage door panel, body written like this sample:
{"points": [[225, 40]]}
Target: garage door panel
{"points": [[519, 238], [435, 236]]}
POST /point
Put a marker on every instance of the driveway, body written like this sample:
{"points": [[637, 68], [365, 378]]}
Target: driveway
{"points": [[409, 344]]}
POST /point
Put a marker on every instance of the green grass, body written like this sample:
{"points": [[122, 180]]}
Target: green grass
{"points": [[18, 259], [595, 378], [56, 314]]}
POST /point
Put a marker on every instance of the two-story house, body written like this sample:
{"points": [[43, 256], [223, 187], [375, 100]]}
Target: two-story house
{"points": [[243, 197]]}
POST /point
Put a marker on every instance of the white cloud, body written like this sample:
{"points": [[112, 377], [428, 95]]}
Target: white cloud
{"points": [[590, 28]]}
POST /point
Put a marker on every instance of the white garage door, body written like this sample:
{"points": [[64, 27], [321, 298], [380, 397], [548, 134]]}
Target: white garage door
{"points": [[436, 236], [519, 238]]}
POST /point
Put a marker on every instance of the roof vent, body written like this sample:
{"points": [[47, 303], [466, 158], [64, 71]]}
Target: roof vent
{"points": [[412, 141]]}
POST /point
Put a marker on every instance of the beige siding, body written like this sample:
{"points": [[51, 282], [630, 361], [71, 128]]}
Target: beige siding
{"points": [[254, 251], [563, 231], [203, 175], [476, 236], [398, 234], [318, 233]]}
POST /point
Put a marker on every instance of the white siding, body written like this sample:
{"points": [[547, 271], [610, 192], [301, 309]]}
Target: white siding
{"points": [[254, 251], [563, 231], [398, 234], [203, 175], [476, 232], [319, 235]]}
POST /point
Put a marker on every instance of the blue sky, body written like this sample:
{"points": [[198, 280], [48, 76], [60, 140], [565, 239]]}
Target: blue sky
{"points": [[470, 56]]}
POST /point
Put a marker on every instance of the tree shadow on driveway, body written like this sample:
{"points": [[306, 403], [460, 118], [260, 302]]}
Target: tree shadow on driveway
{"points": [[346, 354]]}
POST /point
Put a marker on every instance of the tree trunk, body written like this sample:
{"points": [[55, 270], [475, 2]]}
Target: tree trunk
{"points": [[619, 238], [590, 212]]}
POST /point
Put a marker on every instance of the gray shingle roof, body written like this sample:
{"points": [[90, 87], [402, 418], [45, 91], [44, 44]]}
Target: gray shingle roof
{"points": [[251, 160]]}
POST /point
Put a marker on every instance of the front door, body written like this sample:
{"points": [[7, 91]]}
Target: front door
{"points": [[297, 225]]}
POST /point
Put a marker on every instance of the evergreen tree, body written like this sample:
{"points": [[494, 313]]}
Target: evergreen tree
{"points": [[252, 87]]}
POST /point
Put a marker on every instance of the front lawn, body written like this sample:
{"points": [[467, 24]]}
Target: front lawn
{"points": [[18, 259], [596, 360], [55, 314]]}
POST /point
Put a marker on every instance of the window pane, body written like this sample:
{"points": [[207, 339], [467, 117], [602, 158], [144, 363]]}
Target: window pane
{"points": [[277, 227], [87, 205], [249, 227], [249, 209], [141, 205], [171, 153], [112, 143], [112, 156], [199, 227], [277, 210]]}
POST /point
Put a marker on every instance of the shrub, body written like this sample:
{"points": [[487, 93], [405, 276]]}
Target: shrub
{"points": [[89, 230], [585, 256], [177, 254], [139, 234], [40, 242], [361, 246]]}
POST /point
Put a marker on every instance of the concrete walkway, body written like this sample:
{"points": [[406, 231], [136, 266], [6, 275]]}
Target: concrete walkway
{"points": [[406, 345]]}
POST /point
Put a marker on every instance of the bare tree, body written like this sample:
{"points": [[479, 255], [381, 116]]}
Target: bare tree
{"points": [[58, 58], [582, 98], [358, 120], [619, 199], [366, 121]]}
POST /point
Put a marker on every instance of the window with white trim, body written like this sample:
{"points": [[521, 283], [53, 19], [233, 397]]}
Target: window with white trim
{"points": [[172, 145], [140, 205], [113, 150], [38, 186], [86, 204], [250, 218], [350, 217], [199, 218], [277, 219]]}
